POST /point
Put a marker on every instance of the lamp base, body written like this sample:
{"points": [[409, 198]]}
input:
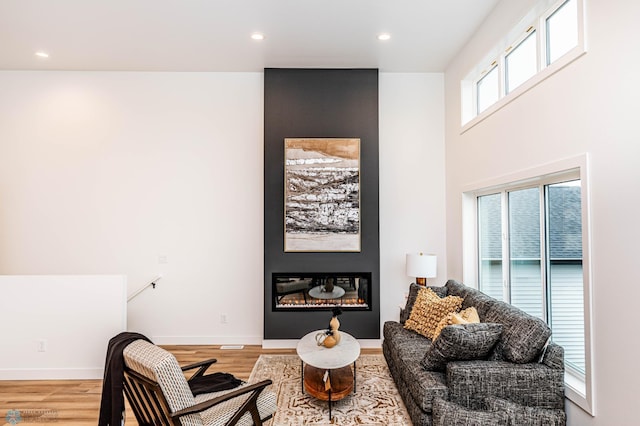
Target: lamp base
{"points": [[421, 281]]}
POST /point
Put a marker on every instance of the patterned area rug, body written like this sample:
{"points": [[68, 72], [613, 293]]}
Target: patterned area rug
{"points": [[375, 403]]}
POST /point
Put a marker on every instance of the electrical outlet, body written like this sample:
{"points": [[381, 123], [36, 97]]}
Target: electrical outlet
{"points": [[162, 259], [223, 318], [42, 345]]}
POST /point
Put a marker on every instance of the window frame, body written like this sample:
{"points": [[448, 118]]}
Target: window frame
{"points": [[470, 116], [476, 98], [577, 389], [532, 31]]}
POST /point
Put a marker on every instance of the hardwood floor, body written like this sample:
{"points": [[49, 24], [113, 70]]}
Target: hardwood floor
{"points": [[77, 402]]}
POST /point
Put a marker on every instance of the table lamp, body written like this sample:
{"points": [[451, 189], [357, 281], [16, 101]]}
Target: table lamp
{"points": [[422, 266]]}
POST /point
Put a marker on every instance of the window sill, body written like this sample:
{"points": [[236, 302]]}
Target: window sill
{"points": [[576, 391], [562, 62]]}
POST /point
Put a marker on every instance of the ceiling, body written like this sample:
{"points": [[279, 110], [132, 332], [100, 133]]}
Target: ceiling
{"points": [[214, 35]]}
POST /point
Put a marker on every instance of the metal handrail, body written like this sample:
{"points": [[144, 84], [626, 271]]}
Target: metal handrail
{"points": [[144, 287]]}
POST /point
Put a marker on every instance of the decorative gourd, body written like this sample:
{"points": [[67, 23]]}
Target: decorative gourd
{"points": [[334, 325], [330, 337], [329, 341]]}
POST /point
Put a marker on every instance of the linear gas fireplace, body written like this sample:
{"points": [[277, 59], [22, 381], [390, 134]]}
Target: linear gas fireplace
{"points": [[321, 291]]}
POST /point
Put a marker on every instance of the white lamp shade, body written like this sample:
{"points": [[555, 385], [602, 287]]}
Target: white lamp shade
{"points": [[422, 265]]}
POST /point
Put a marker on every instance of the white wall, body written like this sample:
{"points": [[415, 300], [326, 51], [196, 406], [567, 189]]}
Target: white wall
{"points": [[106, 172], [103, 173], [57, 327], [589, 107], [412, 217]]}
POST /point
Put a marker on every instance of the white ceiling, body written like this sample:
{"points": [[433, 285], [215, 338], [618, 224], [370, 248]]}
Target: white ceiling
{"points": [[214, 35]]}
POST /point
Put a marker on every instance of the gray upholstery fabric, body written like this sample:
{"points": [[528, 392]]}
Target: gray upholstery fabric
{"points": [[447, 413], [538, 384], [533, 384], [461, 342], [409, 348], [554, 357], [417, 414], [523, 336], [411, 299], [520, 415]]}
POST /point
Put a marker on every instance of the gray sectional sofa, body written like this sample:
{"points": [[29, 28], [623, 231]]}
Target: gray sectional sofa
{"points": [[520, 382]]}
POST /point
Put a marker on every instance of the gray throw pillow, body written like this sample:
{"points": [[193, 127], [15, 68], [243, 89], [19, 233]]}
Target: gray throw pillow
{"points": [[523, 336], [522, 415], [447, 413], [461, 342], [411, 299]]}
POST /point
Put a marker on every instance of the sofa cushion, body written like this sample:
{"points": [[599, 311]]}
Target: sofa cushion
{"points": [[428, 310], [408, 345], [532, 384], [523, 335], [447, 413], [523, 415], [461, 342], [411, 299]]}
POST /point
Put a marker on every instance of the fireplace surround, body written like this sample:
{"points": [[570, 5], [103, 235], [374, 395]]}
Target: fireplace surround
{"points": [[320, 103]]}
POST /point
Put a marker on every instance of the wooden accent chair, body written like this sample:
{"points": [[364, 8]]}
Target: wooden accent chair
{"points": [[159, 393]]}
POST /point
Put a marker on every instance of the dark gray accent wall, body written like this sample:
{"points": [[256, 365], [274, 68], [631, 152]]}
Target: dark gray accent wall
{"points": [[320, 103]]}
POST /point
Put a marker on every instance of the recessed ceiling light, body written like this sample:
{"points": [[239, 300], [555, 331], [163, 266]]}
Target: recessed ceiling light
{"points": [[384, 36], [42, 54], [257, 36]]}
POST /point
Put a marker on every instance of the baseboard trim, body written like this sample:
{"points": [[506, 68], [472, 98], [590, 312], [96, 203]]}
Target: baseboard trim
{"points": [[206, 340], [51, 373], [292, 343]]}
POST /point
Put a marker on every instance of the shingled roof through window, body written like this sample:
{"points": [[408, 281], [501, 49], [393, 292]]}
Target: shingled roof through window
{"points": [[565, 224]]}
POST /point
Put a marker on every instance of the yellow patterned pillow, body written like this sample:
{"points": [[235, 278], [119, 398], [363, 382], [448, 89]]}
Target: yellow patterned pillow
{"points": [[467, 316], [428, 311]]}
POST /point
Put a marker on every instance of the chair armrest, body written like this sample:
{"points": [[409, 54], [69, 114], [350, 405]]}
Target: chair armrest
{"points": [[255, 387], [531, 384], [202, 365]]}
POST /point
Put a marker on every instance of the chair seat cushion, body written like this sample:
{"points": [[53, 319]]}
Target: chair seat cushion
{"points": [[220, 414]]}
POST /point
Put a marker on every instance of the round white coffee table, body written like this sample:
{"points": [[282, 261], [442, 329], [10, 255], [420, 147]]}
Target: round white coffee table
{"points": [[327, 374]]}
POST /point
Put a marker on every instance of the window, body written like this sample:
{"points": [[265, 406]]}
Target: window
{"points": [[521, 63], [544, 277], [562, 30], [488, 89], [530, 249], [547, 39]]}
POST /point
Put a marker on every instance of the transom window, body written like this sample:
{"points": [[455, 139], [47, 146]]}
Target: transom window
{"points": [[547, 41]]}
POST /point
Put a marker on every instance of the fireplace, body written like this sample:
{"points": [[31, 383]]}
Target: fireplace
{"points": [[350, 291]]}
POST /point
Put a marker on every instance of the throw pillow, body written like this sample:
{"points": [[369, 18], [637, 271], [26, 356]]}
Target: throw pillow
{"points": [[446, 413], [411, 299], [523, 336], [467, 316], [461, 342], [522, 415], [428, 310]]}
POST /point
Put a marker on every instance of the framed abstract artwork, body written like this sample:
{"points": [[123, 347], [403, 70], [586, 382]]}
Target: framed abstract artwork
{"points": [[322, 195]]}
